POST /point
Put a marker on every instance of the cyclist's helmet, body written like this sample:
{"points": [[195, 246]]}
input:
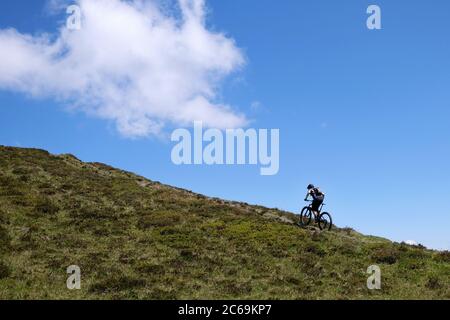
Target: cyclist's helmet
{"points": [[311, 186]]}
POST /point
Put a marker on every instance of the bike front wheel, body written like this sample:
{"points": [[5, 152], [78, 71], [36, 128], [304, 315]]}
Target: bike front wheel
{"points": [[305, 216], [325, 221]]}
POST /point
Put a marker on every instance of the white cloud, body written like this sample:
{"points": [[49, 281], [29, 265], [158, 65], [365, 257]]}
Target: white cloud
{"points": [[131, 62], [411, 242]]}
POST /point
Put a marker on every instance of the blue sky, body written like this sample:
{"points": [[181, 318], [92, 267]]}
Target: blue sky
{"points": [[362, 114]]}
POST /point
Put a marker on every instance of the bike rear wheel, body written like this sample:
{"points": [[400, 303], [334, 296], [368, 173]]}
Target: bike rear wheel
{"points": [[325, 221], [305, 216]]}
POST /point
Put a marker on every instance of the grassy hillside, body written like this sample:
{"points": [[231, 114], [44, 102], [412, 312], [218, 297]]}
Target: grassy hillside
{"points": [[138, 239]]}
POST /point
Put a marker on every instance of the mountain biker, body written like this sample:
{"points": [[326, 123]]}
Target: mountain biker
{"points": [[317, 198]]}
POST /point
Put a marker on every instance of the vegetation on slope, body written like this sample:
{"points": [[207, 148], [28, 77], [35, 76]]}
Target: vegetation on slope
{"points": [[138, 239]]}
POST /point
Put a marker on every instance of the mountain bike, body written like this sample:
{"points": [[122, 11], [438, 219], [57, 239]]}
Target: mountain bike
{"points": [[323, 219]]}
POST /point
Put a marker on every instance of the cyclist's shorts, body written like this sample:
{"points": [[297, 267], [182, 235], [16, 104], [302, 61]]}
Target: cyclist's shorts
{"points": [[316, 204]]}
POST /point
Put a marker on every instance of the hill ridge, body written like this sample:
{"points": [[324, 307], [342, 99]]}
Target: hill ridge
{"points": [[134, 238]]}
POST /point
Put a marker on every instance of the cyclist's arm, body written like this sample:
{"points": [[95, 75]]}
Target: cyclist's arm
{"points": [[307, 195]]}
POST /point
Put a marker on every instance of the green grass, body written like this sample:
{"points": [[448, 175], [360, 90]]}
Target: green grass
{"points": [[138, 239]]}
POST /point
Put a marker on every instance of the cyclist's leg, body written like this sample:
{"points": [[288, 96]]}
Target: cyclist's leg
{"points": [[315, 207]]}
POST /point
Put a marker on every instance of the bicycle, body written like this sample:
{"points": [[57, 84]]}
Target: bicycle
{"points": [[323, 219]]}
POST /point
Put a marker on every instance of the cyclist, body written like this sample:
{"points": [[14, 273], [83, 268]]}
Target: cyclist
{"points": [[317, 198]]}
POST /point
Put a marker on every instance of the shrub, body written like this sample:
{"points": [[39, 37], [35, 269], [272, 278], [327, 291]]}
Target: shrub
{"points": [[151, 269], [443, 256], [45, 206], [347, 231], [433, 283], [315, 249], [21, 171], [94, 212], [388, 255], [4, 238], [3, 217], [4, 270], [159, 219], [114, 284]]}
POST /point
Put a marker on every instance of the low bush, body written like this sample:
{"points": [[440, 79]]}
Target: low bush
{"points": [[388, 255], [45, 206], [5, 271], [159, 219]]}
